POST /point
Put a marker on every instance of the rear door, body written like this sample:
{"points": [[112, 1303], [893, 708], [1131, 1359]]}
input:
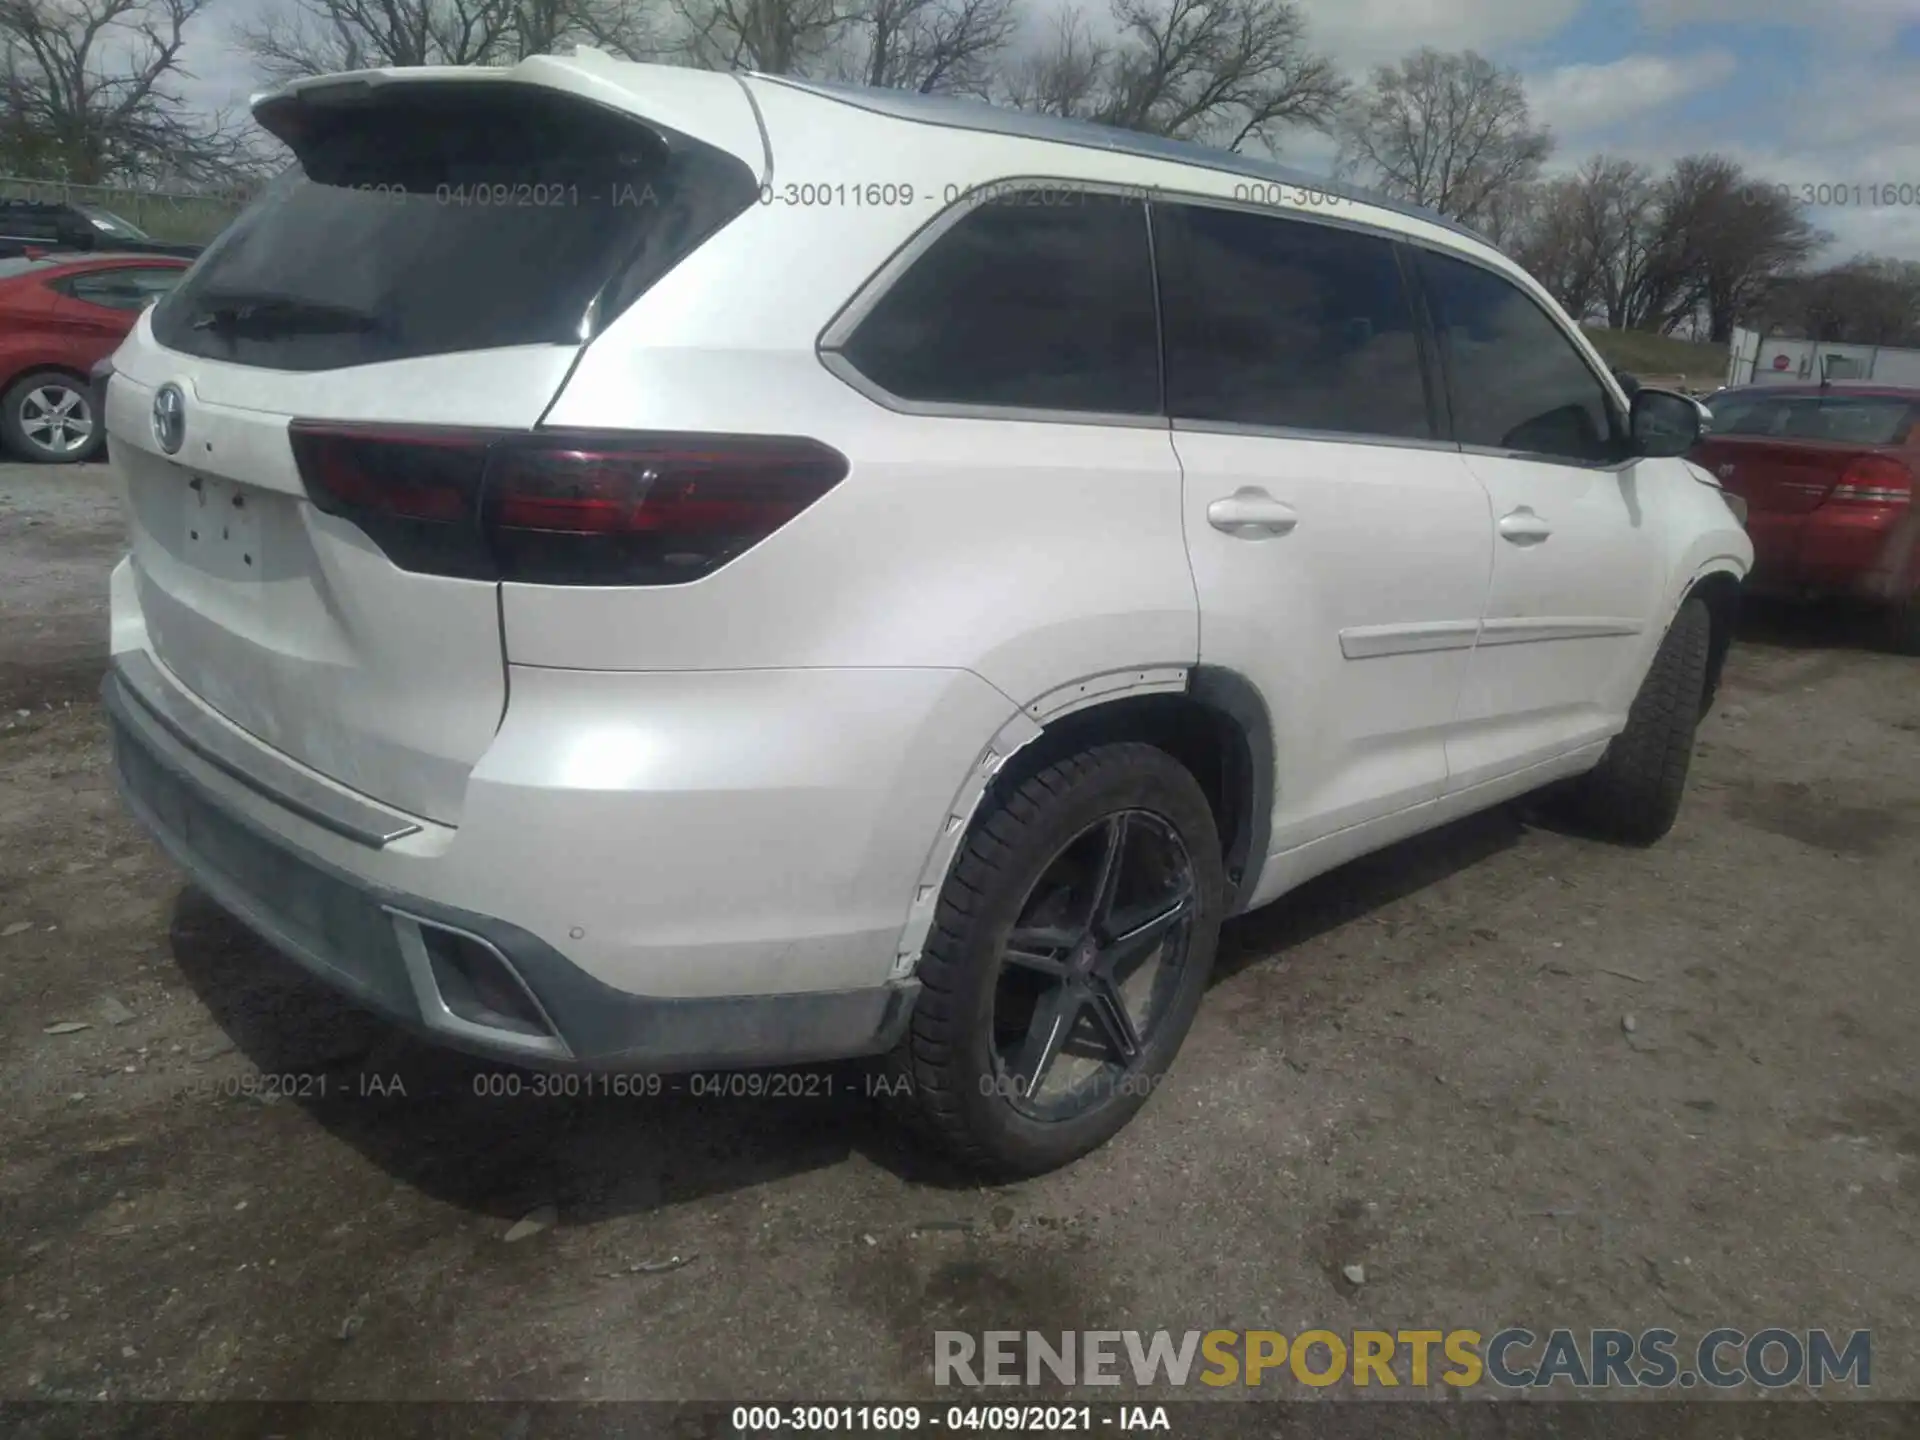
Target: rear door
{"points": [[1339, 544], [435, 259]]}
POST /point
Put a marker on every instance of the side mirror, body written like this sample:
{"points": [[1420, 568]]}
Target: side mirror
{"points": [[1665, 422], [1628, 381]]}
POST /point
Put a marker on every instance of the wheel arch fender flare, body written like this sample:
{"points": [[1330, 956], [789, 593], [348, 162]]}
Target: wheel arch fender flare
{"points": [[27, 372], [1130, 704], [1232, 695]]}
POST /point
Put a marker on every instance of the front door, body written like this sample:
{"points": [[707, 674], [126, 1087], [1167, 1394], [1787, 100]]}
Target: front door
{"points": [[1577, 560]]}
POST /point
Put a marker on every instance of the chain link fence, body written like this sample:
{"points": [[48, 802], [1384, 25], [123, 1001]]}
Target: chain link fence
{"points": [[190, 216]]}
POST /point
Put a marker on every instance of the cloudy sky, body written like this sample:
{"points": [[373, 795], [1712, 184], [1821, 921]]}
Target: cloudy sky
{"points": [[1805, 92]]}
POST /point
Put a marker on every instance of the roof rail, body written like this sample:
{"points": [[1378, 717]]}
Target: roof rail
{"points": [[956, 113]]}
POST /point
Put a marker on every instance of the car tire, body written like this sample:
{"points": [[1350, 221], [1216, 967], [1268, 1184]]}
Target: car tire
{"points": [[30, 432], [1634, 794], [1039, 852]]}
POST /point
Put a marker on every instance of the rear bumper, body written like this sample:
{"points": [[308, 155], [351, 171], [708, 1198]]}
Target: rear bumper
{"points": [[365, 940], [1865, 553]]}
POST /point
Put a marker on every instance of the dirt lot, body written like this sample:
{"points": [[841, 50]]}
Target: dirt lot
{"points": [[1418, 1065]]}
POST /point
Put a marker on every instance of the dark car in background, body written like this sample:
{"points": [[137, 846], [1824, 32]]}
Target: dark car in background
{"points": [[60, 316], [1827, 473], [55, 225]]}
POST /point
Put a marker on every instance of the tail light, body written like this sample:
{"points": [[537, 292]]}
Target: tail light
{"points": [[1875, 480], [561, 509]]}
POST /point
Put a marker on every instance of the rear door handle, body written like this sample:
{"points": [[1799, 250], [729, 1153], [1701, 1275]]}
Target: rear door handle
{"points": [[1523, 527], [1250, 513]]}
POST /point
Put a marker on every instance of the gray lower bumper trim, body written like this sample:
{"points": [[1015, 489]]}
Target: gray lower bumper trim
{"points": [[339, 927], [141, 680]]}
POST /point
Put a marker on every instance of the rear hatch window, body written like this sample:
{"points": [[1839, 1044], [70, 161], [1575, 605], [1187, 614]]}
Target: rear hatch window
{"points": [[427, 218]]}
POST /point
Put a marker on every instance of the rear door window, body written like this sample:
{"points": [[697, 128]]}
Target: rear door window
{"points": [[1023, 305], [447, 217], [1276, 322], [1516, 382]]}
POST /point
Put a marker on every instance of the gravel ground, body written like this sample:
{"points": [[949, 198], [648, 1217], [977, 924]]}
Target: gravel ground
{"points": [[1420, 1065]]}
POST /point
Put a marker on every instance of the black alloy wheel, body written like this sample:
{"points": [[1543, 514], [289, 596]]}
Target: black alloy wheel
{"points": [[1092, 965]]}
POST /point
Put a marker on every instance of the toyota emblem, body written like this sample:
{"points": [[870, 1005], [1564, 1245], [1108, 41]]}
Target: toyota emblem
{"points": [[1726, 471], [169, 418]]}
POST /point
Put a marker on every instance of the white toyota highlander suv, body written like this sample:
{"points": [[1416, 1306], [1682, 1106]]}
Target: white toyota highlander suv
{"points": [[636, 567]]}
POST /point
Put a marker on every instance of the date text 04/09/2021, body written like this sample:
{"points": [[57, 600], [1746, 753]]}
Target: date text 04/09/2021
{"points": [[818, 1084], [911, 1419]]}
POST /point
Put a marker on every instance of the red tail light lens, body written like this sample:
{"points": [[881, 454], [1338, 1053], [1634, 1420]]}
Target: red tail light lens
{"points": [[645, 512], [1875, 480], [559, 509], [414, 490]]}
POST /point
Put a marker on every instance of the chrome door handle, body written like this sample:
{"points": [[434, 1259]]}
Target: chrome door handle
{"points": [[1523, 527], [1250, 513]]}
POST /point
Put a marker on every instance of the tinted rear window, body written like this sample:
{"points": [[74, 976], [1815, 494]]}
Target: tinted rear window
{"points": [[1847, 419], [449, 217], [1024, 304], [1278, 322]]}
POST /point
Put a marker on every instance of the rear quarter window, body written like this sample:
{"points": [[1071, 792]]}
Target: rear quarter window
{"points": [[1021, 304]]}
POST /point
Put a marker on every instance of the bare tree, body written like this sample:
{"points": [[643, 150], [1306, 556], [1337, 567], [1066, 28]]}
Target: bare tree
{"points": [[620, 27], [1448, 131], [316, 37], [1065, 76], [1513, 214], [1868, 300], [1544, 227], [777, 37], [91, 95], [933, 46], [1592, 240], [1222, 71], [1703, 245], [1721, 242], [1619, 204]]}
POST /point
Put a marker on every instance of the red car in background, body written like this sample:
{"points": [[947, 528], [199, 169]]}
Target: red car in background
{"points": [[59, 316], [1827, 473]]}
